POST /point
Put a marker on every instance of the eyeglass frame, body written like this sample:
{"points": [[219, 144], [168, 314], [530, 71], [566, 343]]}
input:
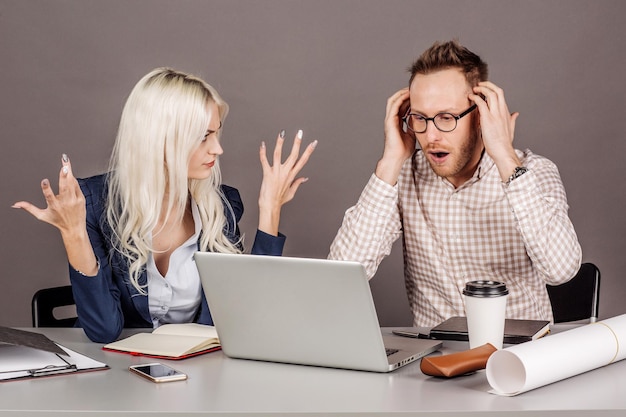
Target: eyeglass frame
{"points": [[432, 119]]}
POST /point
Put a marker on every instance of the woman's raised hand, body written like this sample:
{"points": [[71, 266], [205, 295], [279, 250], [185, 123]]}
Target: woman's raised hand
{"points": [[65, 210], [280, 184]]}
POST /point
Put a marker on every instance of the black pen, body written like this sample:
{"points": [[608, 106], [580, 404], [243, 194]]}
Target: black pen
{"points": [[408, 333]]}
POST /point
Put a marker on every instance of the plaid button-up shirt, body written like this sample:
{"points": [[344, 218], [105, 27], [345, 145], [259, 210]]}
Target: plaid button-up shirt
{"points": [[518, 233]]}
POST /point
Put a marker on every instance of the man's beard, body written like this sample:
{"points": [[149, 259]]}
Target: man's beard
{"points": [[460, 159]]}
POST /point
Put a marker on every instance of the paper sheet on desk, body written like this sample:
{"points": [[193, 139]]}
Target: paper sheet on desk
{"points": [[531, 365], [23, 362]]}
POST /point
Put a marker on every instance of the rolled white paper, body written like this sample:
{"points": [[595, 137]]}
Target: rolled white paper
{"points": [[540, 362]]}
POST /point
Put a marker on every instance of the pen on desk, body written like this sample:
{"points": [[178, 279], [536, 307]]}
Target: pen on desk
{"points": [[408, 333]]}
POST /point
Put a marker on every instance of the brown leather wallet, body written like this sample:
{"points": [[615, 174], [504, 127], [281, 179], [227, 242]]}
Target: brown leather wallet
{"points": [[459, 363]]}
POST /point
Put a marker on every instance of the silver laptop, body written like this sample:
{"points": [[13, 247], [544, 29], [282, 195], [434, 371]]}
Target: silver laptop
{"points": [[302, 311]]}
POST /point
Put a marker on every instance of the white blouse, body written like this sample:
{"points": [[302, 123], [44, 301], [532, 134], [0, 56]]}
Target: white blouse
{"points": [[176, 297]]}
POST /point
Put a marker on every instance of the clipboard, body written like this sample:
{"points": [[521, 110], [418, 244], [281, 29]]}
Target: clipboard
{"points": [[32, 355]]}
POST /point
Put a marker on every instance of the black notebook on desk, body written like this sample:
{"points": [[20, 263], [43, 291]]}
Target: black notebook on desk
{"points": [[515, 330]]}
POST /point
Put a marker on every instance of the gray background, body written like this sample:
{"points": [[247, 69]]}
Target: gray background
{"points": [[325, 66]]}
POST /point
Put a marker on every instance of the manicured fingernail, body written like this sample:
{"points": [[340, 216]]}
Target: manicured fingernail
{"points": [[65, 158], [263, 145], [314, 144], [300, 133], [65, 170], [282, 133], [45, 183]]}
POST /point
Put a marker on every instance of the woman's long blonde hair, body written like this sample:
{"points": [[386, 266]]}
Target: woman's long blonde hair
{"points": [[164, 120]]}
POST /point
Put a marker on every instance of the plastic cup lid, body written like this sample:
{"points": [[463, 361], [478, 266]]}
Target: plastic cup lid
{"points": [[485, 289]]}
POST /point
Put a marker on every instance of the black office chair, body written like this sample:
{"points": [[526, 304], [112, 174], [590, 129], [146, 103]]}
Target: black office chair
{"points": [[579, 298], [46, 300]]}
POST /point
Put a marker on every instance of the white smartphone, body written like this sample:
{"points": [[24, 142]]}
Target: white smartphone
{"points": [[157, 372]]}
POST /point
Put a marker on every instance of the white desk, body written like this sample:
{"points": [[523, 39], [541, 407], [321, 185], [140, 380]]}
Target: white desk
{"points": [[218, 385]]}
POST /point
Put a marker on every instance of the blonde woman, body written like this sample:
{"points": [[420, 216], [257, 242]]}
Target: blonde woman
{"points": [[130, 234]]}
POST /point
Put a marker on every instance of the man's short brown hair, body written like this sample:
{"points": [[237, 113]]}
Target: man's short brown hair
{"points": [[450, 54]]}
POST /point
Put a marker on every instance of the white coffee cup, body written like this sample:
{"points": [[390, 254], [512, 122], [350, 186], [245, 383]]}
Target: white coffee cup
{"points": [[485, 308]]}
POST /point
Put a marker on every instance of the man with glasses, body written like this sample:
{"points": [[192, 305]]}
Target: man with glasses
{"points": [[467, 205]]}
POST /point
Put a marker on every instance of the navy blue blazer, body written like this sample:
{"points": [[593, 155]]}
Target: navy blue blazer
{"points": [[108, 302]]}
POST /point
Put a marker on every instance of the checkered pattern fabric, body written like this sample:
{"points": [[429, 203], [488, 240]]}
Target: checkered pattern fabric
{"points": [[519, 234]]}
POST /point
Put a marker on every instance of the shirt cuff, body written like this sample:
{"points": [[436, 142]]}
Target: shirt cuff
{"points": [[522, 195], [266, 244], [379, 196]]}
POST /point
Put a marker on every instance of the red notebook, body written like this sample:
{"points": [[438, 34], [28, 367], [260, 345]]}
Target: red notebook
{"points": [[170, 341]]}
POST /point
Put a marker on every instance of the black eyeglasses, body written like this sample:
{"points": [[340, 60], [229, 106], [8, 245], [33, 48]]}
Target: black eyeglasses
{"points": [[445, 122]]}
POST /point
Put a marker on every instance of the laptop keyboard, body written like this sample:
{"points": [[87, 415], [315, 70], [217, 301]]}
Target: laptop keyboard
{"points": [[390, 351]]}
